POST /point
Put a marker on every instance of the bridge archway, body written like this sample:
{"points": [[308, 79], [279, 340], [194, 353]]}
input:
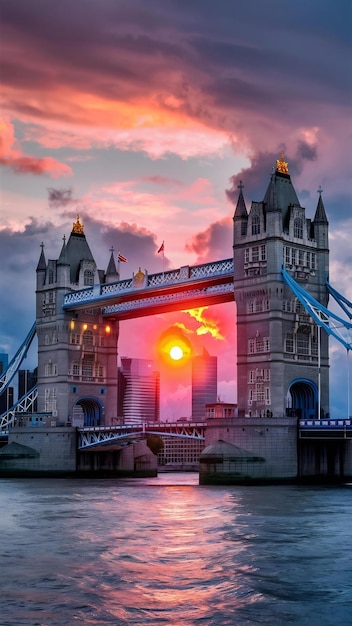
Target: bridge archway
{"points": [[302, 398], [90, 410]]}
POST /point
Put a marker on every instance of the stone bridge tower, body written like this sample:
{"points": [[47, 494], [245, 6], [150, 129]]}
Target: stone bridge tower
{"points": [[277, 341], [77, 353]]}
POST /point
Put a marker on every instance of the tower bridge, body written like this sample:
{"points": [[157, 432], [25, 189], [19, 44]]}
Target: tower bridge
{"points": [[278, 278]]}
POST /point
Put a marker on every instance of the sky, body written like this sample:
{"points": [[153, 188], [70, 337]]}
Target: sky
{"points": [[138, 116]]}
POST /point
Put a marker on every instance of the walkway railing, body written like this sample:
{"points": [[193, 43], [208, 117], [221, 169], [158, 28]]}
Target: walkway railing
{"points": [[99, 295]]}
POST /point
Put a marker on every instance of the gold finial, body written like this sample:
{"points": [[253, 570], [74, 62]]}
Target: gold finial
{"points": [[77, 227], [281, 165], [139, 278]]}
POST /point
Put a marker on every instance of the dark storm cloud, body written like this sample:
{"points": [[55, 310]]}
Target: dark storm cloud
{"points": [[59, 197], [138, 244], [253, 177], [306, 151], [19, 256], [251, 55], [212, 243]]}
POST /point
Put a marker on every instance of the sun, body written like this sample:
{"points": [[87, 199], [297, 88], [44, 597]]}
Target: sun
{"points": [[176, 353], [174, 348]]}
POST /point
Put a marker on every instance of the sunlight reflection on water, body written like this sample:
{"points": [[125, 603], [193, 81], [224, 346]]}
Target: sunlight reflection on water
{"points": [[168, 551]]}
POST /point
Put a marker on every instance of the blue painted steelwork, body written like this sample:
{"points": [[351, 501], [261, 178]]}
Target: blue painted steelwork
{"points": [[15, 363], [325, 429], [331, 322], [326, 423], [22, 406], [345, 304]]}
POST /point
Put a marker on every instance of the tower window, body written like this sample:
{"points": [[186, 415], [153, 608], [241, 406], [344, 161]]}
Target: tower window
{"points": [[88, 277], [287, 255], [289, 343], [255, 225], [298, 228], [87, 338], [75, 369], [87, 369], [302, 343]]}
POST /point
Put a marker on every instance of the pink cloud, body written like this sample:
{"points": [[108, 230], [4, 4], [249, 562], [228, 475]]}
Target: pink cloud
{"points": [[13, 158]]}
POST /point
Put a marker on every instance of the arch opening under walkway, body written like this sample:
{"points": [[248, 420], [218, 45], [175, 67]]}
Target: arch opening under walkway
{"points": [[89, 411], [302, 399]]}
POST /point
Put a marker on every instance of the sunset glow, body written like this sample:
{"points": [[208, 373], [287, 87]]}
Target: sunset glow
{"points": [[144, 119]]}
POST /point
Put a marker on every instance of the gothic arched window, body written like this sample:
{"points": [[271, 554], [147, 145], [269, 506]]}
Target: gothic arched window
{"points": [[255, 225]]}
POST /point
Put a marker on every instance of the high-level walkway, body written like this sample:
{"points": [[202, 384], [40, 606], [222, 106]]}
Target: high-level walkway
{"points": [[149, 294]]}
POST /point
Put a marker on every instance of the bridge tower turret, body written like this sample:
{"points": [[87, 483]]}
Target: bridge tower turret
{"points": [[77, 352], [277, 341]]}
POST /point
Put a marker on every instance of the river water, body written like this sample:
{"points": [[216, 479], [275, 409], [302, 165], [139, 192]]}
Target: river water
{"points": [[167, 551]]}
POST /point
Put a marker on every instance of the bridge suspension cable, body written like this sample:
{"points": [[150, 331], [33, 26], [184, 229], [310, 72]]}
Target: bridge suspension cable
{"points": [[332, 323], [15, 363], [345, 304]]}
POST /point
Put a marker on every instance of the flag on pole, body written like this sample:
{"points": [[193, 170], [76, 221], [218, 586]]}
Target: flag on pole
{"points": [[121, 258], [161, 249]]}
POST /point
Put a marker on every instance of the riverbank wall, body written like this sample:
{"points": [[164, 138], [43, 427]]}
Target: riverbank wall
{"points": [[44, 452], [269, 451]]}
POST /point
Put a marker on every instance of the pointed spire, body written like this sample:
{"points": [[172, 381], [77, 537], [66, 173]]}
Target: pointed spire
{"points": [[272, 204], [111, 268], [62, 257], [241, 209], [271, 196], [41, 267], [320, 215]]}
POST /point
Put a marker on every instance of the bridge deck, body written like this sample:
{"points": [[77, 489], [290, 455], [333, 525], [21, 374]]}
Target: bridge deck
{"points": [[189, 286], [91, 437], [325, 429]]}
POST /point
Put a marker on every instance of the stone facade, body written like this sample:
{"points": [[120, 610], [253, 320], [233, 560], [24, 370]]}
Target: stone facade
{"points": [[277, 341], [39, 451], [265, 450], [77, 353]]}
